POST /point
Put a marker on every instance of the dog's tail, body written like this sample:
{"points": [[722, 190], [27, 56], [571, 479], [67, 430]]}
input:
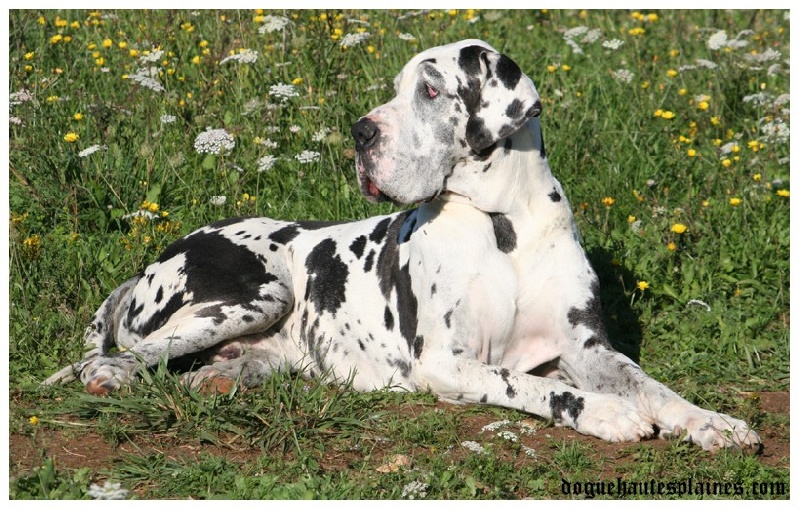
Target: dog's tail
{"points": [[100, 334]]}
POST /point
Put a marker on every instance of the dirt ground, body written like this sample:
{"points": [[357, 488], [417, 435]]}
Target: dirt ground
{"points": [[75, 449]]}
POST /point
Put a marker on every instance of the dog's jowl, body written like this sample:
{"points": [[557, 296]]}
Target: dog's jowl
{"points": [[465, 295]]}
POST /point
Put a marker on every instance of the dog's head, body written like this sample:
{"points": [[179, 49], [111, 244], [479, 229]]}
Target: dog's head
{"points": [[452, 103]]}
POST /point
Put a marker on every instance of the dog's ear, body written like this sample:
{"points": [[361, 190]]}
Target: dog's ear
{"points": [[498, 96]]}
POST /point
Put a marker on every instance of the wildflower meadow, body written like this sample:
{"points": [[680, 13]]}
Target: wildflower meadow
{"points": [[669, 131]]}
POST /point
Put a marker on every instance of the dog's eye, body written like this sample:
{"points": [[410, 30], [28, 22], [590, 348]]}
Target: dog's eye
{"points": [[432, 92]]}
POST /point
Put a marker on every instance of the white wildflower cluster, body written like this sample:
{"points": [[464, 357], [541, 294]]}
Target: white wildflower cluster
{"points": [[766, 56], [146, 78], [719, 40], [109, 490], [613, 44], [358, 21], [491, 427], [758, 99], [151, 57], [265, 163], [266, 142], [218, 200], [350, 40], [530, 452], [15, 120], [168, 119], [294, 128], [273, 24], [774, 131], [473, 446], [140, 213], [687, 67], [622, 75], [245, 56], [307, 156], [213, 141], [581, 34], [320, 135], [508, 436], [15, 98], [91, 150], [728, 148], [251, 106], [415, 490], [377, 86], [406, 37], [707, 64], [283, 91]]}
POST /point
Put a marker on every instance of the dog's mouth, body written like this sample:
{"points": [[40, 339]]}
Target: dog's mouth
{"points": [[369, 189]]}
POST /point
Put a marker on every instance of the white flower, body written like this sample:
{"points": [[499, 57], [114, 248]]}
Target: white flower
{"points": [[168, 119], [140, 212], [320, 135], [22, 96], [294, 128], [153, 56], [758, 98], [765, 56], [107, 491], [273, 24], [718, 40], [473, 446], [613, 44], [775, 131], [530, 452], [283, 91], [495, 425], [706, 63], [265, 163], [358, 21], [508, 435], [576, 48], [352, 39], [575, 32], [623, 75], [145, 78], [218, 200], [245, 56], [687, 67], [212, 141], [15, 120], [406, 37], [91, 150], [266, 142], [307, 156], [592, 35], [415, 489]]}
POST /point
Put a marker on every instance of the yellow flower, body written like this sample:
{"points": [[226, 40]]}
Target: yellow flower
{"points": [[672, 73], [122, 45], [652, 17], [683, 92], [107, 43], [565, 67], [196, 59], [756, 177], [297, 81], [71, 137], [753, 145], [636, 31], [679, 228], [715, 121], [33, 420], [643, 285], [30, 55], [734, 201], [608, 201], [42, 21], [52, 99], [672, 246], [658, 113], [674, 53], [631, 218], [551, 68], [782, 193], [133, 53], [78, 116], [203, 43], [56, 39], [668, 115], [702, 105], [705, 203], [691, 153], [726, 162], [735, 148]]}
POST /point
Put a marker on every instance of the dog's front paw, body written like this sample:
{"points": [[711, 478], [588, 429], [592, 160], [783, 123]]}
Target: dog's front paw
{"points": [[103, 374], [613, 419], [712, 431]]}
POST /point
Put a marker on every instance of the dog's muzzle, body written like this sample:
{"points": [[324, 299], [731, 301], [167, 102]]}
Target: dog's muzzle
{"points": [[366, 133]]}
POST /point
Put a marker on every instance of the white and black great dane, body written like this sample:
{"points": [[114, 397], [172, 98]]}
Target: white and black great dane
{"points": [[479, 294]]}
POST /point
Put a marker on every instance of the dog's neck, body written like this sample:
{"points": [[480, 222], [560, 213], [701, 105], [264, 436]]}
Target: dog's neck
{"points": [[515, 179]]}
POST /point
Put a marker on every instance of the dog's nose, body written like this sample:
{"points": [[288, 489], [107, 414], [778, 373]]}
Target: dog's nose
{"points": [[365, 132]]}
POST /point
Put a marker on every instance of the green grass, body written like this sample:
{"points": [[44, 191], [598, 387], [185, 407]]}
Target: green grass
{"points": [[706, 310]]}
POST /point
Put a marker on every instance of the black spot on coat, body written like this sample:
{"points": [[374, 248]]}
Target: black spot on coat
{"points": [[327, 277], [565, 403], [504, 232]]}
